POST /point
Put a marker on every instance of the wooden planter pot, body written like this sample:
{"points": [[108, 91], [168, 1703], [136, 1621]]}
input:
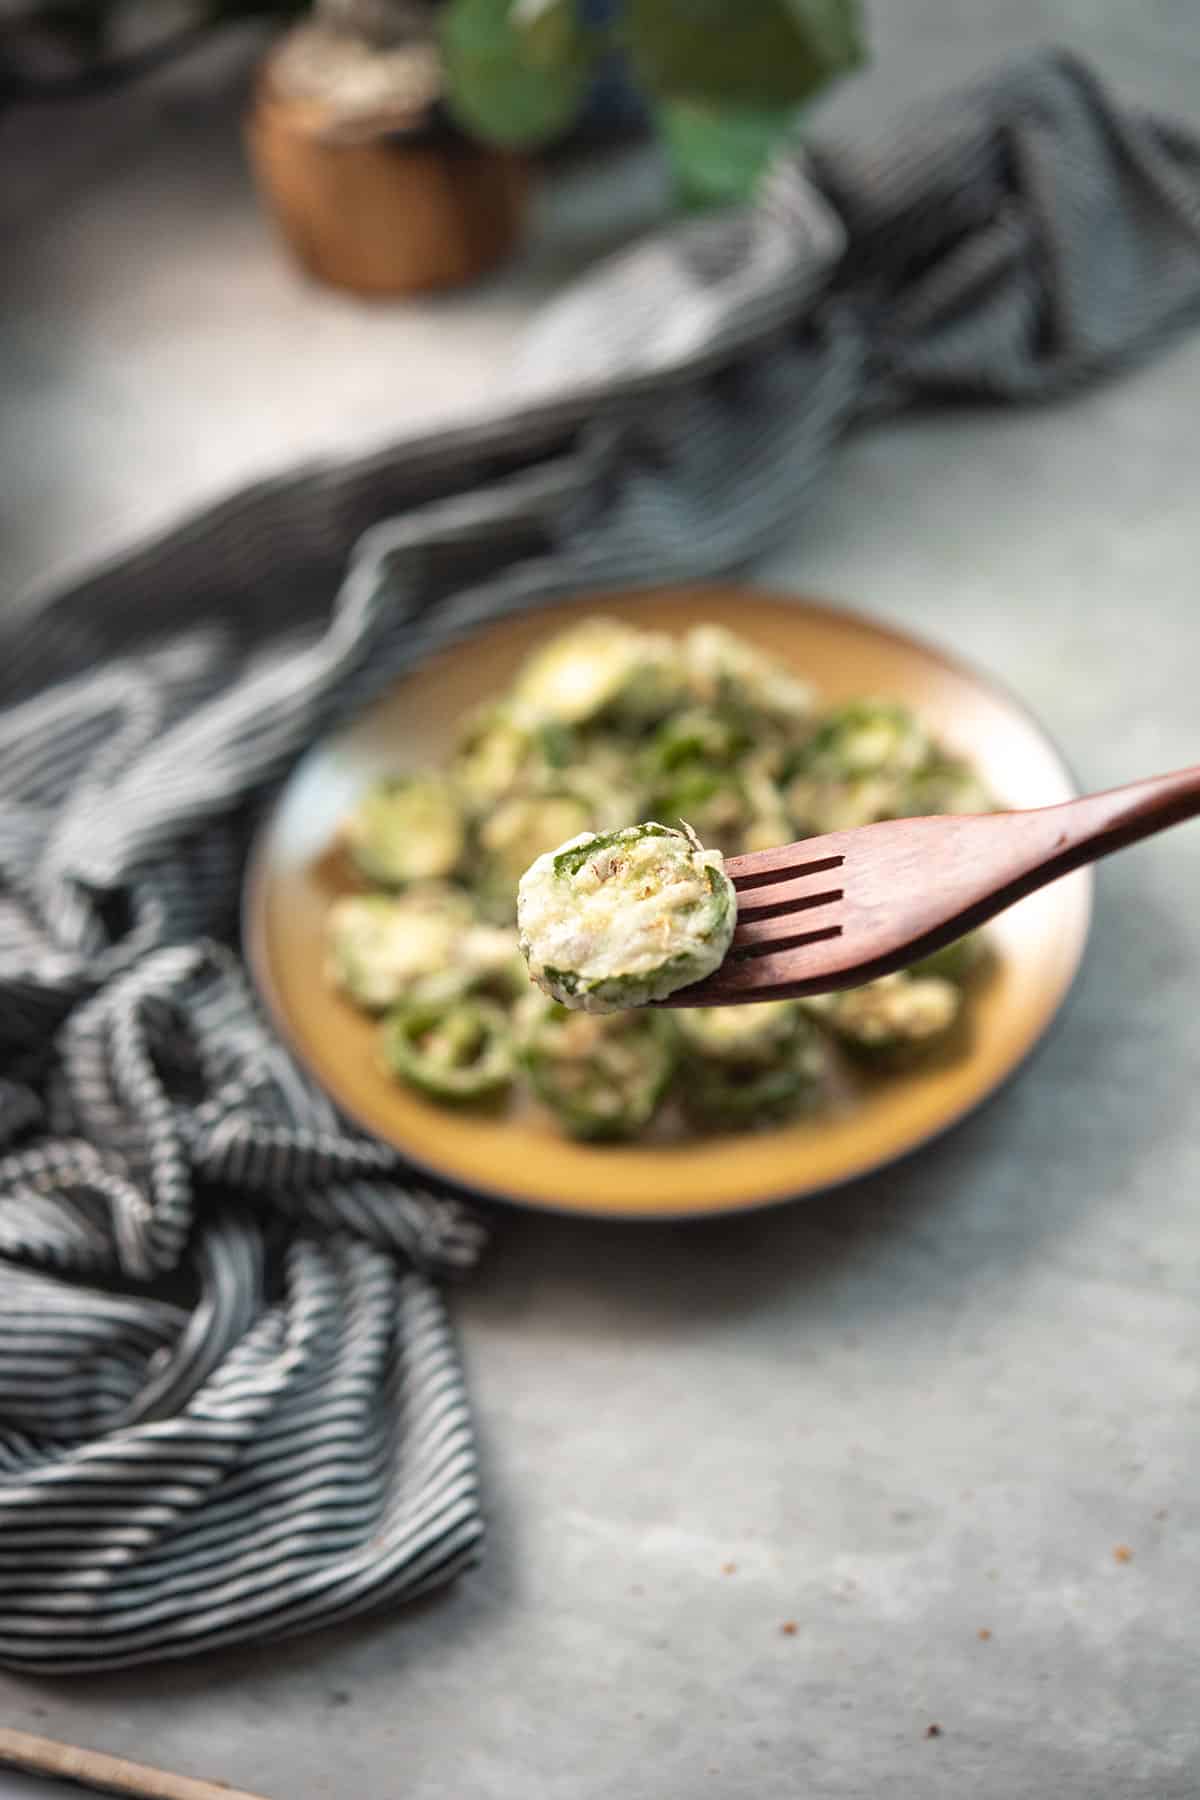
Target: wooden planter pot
{"points": [[378, 212]]}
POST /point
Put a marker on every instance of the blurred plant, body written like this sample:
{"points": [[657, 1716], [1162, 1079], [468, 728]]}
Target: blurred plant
{"points": [[724, 79]]}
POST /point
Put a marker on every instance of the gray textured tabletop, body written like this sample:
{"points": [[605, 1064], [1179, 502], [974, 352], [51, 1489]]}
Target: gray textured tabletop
{"points": [[917, 1418]]}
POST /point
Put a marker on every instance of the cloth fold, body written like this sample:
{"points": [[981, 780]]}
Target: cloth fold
{"points": [[230, 1406]]}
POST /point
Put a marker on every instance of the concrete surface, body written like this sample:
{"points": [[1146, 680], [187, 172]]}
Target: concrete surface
{"points": [[922, 1410]]}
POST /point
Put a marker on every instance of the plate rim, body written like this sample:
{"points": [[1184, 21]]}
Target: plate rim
{"points": [[256, 950]]}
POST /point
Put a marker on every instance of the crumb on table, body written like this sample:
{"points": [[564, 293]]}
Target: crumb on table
{"points": [[1122, 1553], [933, 1731], [984, 1634], [789, 1628]]}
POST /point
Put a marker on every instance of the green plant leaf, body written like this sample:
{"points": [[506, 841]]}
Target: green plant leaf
{"points": [[549, 29], [749, 52], [718, 152], [517, 71]]}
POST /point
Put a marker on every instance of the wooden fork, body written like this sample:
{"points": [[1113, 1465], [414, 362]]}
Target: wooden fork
{"points": [[835, 911]]}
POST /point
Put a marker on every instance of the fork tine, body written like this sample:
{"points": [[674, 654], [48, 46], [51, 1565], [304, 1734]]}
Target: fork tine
{"points": [[761, 868], [770, 972], [766, 977], [790, 924], [784, 896]]}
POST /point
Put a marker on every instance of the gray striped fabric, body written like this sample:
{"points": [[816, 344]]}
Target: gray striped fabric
{"points": [[229, 1404]]}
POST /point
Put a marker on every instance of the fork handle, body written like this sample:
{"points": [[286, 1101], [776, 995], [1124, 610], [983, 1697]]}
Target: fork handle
{"points": [[1002, 857], [1101, 823], [909, 886], [106, 1774]]}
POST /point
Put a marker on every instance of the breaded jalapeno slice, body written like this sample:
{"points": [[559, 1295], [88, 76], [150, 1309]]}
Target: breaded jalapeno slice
{"points": [[625, 917], [380, 947], [892, 1019], [602, 1078], [743, 1064], [405, 829], [600, 669], [458, 1052]]}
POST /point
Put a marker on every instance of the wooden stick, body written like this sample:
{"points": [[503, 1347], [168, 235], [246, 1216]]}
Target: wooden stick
{"points": [[110, 1774]]}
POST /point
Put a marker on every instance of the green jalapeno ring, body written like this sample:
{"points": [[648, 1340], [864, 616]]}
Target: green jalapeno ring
{"points": [[740, 1064], [748, 1036], [383, 948], [602, 1075], [457, 1052], [732, 1095]]}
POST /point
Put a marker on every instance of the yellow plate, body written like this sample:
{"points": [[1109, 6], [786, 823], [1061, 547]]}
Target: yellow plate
{"points": [[522, 1157]]}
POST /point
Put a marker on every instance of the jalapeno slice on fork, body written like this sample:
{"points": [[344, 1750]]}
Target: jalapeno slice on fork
{"points": [[625, 917]]}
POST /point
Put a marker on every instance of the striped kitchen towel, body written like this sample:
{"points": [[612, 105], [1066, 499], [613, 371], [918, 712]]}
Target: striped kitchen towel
{"points": [[230, 1405]]}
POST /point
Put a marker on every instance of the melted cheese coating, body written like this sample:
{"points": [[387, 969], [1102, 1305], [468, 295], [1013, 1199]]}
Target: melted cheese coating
{"points": [[649, 911]]}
